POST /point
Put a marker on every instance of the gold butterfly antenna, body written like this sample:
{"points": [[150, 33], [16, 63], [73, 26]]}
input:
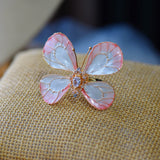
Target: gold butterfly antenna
{"points": [[84, 57], [75, 54]]}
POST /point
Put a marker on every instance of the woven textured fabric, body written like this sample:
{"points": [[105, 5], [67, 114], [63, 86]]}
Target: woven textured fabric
{"points": [[73, 129]]}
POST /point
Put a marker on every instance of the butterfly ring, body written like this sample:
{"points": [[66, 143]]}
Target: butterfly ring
{"points": [[103, 59]]}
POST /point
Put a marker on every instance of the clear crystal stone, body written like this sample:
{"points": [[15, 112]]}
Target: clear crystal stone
{"points": [[79, 70], [76, 81]]}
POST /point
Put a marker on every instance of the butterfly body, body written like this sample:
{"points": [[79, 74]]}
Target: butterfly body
{"points": [[78, 80], [104, 58]]}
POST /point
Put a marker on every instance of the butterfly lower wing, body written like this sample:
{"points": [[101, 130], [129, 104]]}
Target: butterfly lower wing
{"points": [[59, 54], [53, 87], [104, 58], [99, 94]]}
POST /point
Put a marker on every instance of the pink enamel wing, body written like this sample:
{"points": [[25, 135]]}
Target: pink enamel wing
{"points": [[104, 58]]}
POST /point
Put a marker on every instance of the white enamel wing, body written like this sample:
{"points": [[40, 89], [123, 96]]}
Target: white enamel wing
{"points": [[104, 58]]}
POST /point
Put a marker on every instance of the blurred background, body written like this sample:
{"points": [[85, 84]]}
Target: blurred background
{"points": [[132, 24]]}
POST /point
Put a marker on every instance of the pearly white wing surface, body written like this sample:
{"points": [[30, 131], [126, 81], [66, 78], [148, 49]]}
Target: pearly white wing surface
{"points": [[104, 58], [53, 87], [99, 94], [58, 52]]}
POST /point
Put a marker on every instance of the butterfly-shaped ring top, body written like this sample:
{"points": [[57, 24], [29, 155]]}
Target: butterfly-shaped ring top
{"points": [[104, 58]]}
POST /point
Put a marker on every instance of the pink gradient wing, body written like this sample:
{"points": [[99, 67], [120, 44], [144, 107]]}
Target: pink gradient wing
{"points": [[104, 58], [99, 94], [58, 52], [53, 87]]}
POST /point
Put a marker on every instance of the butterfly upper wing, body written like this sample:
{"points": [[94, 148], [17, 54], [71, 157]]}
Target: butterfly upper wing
{"points": [[104, 58], [99, 94], [58, 52], [53, 87]]}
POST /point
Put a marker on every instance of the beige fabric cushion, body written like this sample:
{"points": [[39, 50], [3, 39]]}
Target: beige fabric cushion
{"points": [[20, 20], [73, 129]]}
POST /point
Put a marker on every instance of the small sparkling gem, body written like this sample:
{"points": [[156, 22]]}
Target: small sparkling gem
{"points": [[79, 70], [76, 81]]}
